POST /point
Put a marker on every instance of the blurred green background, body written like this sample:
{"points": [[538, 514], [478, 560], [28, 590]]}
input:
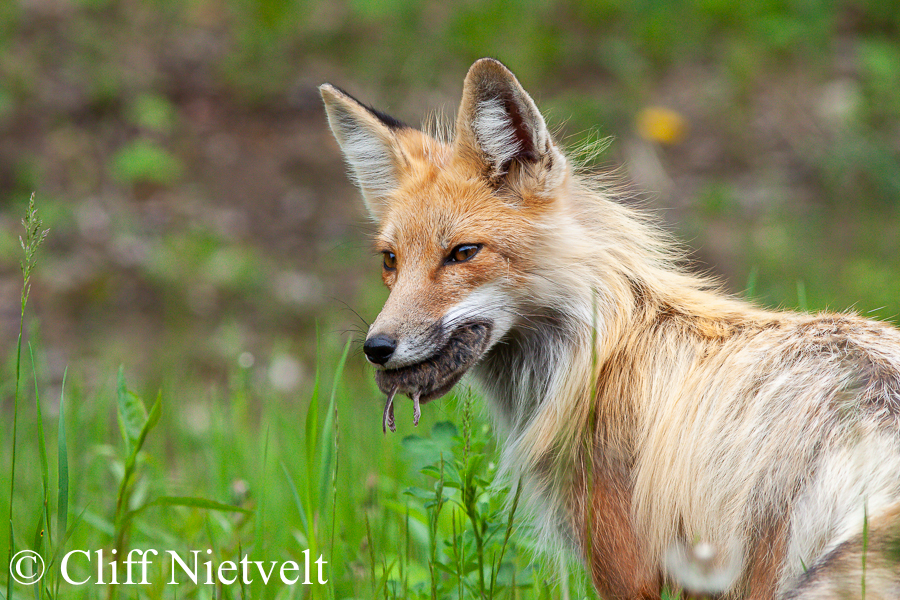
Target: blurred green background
{"points": [[199, 208], [204, 233]]}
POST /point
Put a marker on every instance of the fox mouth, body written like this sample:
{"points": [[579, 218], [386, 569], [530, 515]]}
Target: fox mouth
{"points": [[435, 376]]}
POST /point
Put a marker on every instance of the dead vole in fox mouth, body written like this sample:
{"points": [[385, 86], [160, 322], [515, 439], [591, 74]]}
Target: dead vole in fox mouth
{"points": [[434, 376]]}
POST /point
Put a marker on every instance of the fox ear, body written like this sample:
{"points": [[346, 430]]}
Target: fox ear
{"points": [[499, 121], [367, 139]]}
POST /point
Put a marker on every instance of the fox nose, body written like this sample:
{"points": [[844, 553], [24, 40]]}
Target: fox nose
{"points": [[379, 349]]}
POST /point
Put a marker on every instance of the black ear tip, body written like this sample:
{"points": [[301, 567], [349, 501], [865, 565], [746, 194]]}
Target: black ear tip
{"points": [[331, 92]]}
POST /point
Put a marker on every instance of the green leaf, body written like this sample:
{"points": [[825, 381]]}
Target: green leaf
{"points": [[132, 414], [101, 524], [451, 476], [475, 461], [431, 470], [190, 502], [415, 442], [150, 423], [446, 569], [444, 430], [386, 574], [39, 532], [418, 493]]}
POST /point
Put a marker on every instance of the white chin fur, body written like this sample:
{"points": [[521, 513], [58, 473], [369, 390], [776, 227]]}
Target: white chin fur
{"points": [[489, 303]]}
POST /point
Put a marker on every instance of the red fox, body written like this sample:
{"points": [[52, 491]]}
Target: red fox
{"points": [[660, 426]]}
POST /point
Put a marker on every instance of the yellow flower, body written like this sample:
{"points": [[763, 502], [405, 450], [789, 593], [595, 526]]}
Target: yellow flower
{"points": [[662, 125]]}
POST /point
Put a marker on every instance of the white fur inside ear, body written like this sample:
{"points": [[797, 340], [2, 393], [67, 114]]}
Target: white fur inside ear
{"points": [[495, 132], [370, 159]]}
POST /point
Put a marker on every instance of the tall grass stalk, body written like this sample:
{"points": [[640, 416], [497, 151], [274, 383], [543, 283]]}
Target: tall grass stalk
{"points": [[62, 500], [371, 547], [34, 237], [752, 280], [508, 534], [802, 304], [433, 531], [470, 493], [43, 526]]}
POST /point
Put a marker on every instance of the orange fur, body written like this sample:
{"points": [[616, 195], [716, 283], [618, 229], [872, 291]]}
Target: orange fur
{"points": [[665, 432]]}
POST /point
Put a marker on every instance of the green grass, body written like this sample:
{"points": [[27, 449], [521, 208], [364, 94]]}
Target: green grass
{"points": [[393, 516], [34, 237], [311, 468], [245, 471]]}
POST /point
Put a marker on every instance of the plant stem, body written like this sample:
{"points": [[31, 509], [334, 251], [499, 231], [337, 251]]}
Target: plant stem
{"points": [[34, 236]]}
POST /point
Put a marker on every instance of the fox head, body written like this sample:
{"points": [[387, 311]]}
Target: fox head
{"points": [[459, 223]]}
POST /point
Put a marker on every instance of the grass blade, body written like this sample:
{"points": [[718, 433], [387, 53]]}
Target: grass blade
{"points": [[62, 511], [801, 296], [327, 444], [43, 525], [62, 494], [309, 482], [371, 548], [751, 283], [42, 446], [297, 501], [191, 502], [12, 469], [38, 585], [260, 524], [312, 426], [12, 547], [509, 530]]}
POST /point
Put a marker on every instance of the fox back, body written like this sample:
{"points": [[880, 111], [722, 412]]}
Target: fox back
{"points": [[666, 433]]}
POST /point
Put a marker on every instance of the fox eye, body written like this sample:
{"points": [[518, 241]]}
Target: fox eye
{"points": [[390, 260], [462, 253]]}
